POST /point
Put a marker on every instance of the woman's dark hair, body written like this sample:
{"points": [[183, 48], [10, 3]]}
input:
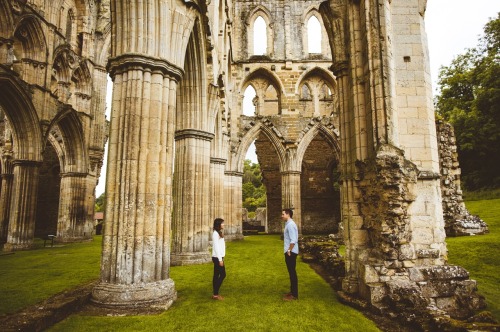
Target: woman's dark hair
{"points": [[217, 227]]}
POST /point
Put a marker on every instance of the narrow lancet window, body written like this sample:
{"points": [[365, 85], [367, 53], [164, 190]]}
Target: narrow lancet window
{"points": [[249, 101], [313, 35], [259, 36]]}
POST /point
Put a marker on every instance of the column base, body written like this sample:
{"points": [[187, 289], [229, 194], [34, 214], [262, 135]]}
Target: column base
{"points": [[350, 285], [17, 246], [191, 258], [233, 237], [160, 294]]}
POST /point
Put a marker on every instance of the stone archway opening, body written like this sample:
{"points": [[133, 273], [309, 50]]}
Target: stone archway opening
{"points": [[320, 188], [254, 194], [271, 178], [48, 193]]}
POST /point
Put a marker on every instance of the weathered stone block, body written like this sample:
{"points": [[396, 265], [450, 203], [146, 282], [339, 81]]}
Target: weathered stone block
{"points": [[427, 253], [446, 272], [370, 275], [434, 288]]}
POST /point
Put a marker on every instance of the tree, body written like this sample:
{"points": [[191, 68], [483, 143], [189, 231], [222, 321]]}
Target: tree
{"points": [[254, 191], [99, 203], [469, 98]]}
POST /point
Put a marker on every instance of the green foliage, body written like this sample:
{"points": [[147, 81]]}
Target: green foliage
{"points": [[480, 254], [254, 191], [31, 276], [99, 203], [481, 194], [256, 281], [469, 98]]}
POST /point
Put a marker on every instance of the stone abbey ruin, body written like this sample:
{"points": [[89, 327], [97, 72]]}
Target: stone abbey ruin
{"points": [[344, 132]]}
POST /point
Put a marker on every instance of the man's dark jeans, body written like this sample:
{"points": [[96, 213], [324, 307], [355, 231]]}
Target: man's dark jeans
{"points": [[291, 263]]}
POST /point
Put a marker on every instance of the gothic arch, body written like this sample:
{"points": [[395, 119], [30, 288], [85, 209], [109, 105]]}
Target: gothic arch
{"points": [[74, 154], [23, 118], [82, 79], [56, 140], [325, 47], [181, 35], [333, 18], [192, 110], [62, 65], [32, 40], [271, 133], [263, 12], [264, 73], [331, 138], [319, 72], [58, 14], [104, 49]]}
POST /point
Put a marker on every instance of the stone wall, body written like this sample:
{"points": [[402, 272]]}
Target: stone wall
{"points": [[458, 220]]}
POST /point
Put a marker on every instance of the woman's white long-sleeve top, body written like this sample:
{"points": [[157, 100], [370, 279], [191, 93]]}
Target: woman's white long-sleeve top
{"points": [[218, 246]]}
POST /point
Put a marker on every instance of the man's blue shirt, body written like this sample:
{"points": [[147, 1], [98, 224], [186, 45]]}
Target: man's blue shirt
{"points": [[291, 235]]}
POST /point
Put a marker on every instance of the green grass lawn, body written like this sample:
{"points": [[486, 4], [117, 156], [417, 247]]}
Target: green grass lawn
{"points": [[480, 254], [28, 277], [256, 280], [253, 290]]}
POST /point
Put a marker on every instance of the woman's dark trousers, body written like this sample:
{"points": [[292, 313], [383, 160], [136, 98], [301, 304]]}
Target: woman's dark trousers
{"points": [[219, 275]]}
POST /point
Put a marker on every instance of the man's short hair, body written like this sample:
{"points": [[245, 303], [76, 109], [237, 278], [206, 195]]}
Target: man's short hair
{"points": [[289, 212]]}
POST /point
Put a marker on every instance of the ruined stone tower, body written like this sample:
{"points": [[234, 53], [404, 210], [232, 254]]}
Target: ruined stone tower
{"points": [[344, 132]]}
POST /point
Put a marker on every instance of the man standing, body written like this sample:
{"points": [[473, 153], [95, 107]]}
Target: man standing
{"points": [[291, 237]]}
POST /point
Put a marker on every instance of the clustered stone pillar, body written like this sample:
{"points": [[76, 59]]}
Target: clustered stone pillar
{"points": [[233, 207], [291, 195], [73, 223], [135, 264], [216, 203], [22, 214], [191, 203], [6, 193]]}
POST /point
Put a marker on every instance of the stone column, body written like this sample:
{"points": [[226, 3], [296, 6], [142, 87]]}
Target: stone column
{"points": [[21, 229], [73, 223], [5, 194], [135, 265], [290, 186], [192, 222], [5, 197], [233, 196], [216, 203]]}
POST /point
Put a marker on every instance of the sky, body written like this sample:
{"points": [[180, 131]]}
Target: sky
{"points": [[452, 26]]}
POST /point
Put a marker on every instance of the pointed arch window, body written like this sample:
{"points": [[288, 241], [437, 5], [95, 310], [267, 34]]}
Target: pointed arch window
{"points": [[250, 101], [259, 36], [305, 93], [313, 35]]}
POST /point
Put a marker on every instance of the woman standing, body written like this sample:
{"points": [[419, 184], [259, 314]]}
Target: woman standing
{"points": [[218, 253]]}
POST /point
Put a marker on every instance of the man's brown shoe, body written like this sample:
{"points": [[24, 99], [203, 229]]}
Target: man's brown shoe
{"points": [[217, 297], [289, 298]]}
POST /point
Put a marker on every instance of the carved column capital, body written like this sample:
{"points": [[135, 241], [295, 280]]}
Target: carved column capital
{"points": [[193, 133], [340, 68], [26, 163], [128, 61]]}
